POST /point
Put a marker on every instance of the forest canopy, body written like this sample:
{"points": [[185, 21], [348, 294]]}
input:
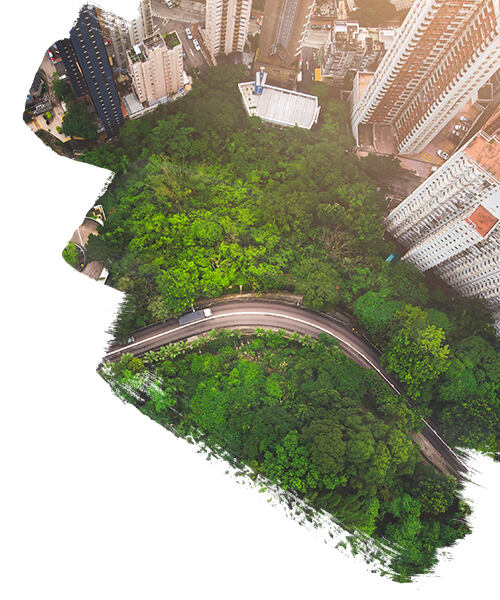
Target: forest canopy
{"points": [[302, 415], [208, 201]]}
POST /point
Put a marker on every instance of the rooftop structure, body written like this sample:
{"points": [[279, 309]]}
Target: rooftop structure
{"points": [[444, 53], [354, 49], [280, 106]]}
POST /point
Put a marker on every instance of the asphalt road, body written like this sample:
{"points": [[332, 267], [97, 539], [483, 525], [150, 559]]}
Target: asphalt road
{"points": [[250, 314]]}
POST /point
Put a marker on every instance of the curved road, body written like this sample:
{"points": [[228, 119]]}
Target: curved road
{"points": [[250, 314]]}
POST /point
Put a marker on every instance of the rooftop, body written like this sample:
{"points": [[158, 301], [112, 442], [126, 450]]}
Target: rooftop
{"points": [[154, 41], [484, 149], [280, 106], [132, 104], [171, 39], [137, 54], [482, 220]]}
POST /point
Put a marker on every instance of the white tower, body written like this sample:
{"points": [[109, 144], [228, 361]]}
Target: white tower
{"points": [[444, 52], [450, 224], [226, 24]]}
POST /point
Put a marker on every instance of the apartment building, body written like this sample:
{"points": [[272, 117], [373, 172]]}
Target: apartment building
{"points": [[116, 32], [142, 27], [281, 39], [87, 64], [444, 53], [450, 223], [226, 25], [156, 67], [70, 62]]}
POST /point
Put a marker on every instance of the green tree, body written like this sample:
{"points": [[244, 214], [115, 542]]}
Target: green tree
{"points": [[78, 122], [318, 283], [70, 254], [416, 353]]}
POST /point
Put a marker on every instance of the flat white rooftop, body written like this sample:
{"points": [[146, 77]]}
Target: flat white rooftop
{"points": [[280, 106], [132, 104]]}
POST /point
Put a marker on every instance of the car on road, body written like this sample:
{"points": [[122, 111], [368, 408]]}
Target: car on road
{"points": [[51, 56], [195, 315], [196, 44], [465, 120], [189, 34], [442, 154]]}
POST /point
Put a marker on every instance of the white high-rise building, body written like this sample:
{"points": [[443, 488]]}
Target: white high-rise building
{"points": [[142, 27], [156, 67], [444, 52], [226, 25], [450, 224]]}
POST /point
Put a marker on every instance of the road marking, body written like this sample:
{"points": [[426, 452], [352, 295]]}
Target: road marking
{"points": [[298, 320], [264, 314]]}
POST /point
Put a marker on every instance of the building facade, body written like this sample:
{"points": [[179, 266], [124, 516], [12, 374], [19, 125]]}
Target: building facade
{"points": [[450, 224], [142, 27], [444, 53], [70, 62], [89, 71], [156, 68], [282, 37], [226, 25], [116, 32]]}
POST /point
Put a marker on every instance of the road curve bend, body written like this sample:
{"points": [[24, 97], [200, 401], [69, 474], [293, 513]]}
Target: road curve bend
{"points": [[272, 314]]}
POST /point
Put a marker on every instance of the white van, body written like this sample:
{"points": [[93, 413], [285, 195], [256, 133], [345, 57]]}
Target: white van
{"points": [[196, 44]]}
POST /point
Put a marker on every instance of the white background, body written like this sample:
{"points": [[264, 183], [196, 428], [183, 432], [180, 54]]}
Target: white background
{"points": [[98, 502]]}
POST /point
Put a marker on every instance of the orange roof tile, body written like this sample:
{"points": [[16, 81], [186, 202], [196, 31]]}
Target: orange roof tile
{"points": [[482, 220]]}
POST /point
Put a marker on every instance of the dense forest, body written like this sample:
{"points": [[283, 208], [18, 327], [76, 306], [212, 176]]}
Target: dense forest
{"points": [[301, 414], [207, 200]]}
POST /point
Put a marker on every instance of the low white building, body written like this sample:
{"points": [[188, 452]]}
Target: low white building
{"points": [[280, 106]]}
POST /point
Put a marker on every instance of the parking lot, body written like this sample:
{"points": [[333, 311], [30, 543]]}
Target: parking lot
{"points": [[444, 140]]}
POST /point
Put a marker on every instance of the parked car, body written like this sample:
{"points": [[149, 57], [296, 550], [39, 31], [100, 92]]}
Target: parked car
{"points": [[460, 128], [51, 56], [196, 44], [442, 154], [189, 34], [465, 120]]}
